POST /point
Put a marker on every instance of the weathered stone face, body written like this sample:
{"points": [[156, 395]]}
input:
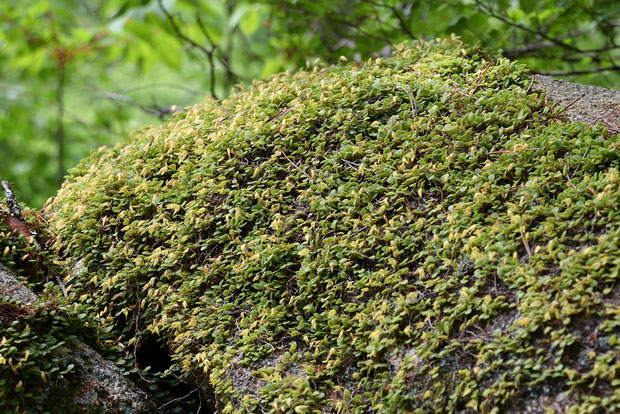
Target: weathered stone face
{"points": [[583, 103], [414, 233], [11, 289]]}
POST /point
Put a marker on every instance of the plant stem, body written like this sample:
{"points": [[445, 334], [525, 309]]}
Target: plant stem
{"points": [[60, 110]]}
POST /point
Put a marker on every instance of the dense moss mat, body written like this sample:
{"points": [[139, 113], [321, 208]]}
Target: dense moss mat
{"points": [[421, 232], [31, 356]]}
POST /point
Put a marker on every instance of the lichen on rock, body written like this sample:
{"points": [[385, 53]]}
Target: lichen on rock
{"points": [[418, 233]]}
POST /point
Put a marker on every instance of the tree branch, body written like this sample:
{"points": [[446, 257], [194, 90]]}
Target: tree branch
{"points": [[159, 111], [488, 10], [209, 53], [538, 45], [398, 15], [162, 85]]}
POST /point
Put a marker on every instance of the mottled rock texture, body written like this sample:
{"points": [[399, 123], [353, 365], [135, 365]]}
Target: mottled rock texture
{"points": [[584, 103]]}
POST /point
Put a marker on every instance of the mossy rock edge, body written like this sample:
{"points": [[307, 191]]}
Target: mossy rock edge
{"points": [[419, 233], [44, 366]]}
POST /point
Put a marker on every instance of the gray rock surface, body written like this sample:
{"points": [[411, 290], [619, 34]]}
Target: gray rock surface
{"points": [[95, 386], [11, 288], [584, 103]]}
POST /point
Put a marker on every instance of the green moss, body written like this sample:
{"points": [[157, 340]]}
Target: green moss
{"points": [[420, 232], [30, 352]]}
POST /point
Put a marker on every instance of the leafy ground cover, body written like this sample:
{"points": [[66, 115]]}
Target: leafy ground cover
{"points": [[415, 233]]}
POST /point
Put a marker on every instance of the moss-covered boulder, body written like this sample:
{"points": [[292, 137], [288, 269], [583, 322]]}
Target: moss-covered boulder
{"points": [[419, 233]]}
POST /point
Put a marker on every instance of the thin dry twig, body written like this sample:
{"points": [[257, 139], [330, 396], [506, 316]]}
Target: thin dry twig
{"points": [[525, 243], [512, 152], [62, 285], [295, 165], [281, 113], [529, 88], [414, 107], [468, 92], [177, 399], [572, 103]]}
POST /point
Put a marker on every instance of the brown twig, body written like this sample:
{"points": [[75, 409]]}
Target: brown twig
{"points": [[294, 165], [572, 103]]}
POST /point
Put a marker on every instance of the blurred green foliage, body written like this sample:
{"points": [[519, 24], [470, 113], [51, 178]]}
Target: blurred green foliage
{"points": [[77, 74]]}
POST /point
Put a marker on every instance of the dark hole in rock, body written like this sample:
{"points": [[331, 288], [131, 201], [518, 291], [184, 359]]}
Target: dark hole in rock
{"points": [[176, 397], [151, 352]]}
